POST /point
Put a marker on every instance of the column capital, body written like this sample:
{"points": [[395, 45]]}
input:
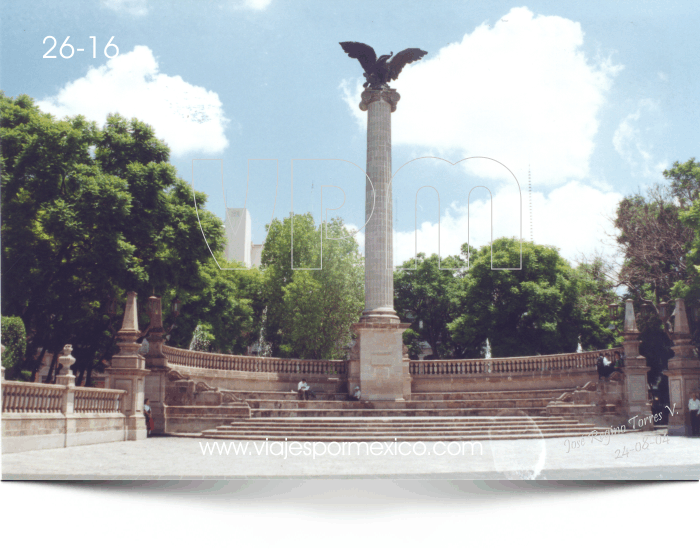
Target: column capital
{"points": [[389, 95]]}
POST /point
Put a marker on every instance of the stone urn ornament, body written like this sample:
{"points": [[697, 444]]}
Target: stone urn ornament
{"points": [[67, 360]]}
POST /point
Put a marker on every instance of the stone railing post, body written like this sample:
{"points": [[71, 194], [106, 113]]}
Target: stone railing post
{"points": [[683, 373], [67, 379], [128, 372]]}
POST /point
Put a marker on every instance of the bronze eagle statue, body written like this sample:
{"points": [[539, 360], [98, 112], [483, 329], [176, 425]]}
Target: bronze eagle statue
{"points": [[379, 72]]}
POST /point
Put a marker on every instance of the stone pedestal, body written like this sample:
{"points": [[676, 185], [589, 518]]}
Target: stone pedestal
{"points": [[128, 372], [377, 362], [67, 379], [683, 373], [156, 365], [636, 394]]}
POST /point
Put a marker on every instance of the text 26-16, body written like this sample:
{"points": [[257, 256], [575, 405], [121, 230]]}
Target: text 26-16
{"points": [[67, 50]]}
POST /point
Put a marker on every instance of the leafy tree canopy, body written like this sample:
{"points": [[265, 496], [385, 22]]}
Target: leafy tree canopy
{"points": [[425, 295], [542, 308], [89, 213], [312, 303]]}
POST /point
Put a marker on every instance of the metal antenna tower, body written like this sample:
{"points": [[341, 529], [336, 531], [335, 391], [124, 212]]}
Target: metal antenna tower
{"points": [[529, 185]]}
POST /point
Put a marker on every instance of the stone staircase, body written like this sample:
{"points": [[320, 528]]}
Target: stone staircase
{"points": [[437, 404], [399, 429], [435, 416]]}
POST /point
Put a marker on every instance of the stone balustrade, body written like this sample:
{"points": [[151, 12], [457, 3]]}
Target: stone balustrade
{"points": [[48, 416], [97, 400], [25, 397], [510, 365], [244, 363], [28, 397]]}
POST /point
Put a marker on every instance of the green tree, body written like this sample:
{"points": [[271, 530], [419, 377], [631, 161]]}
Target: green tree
{"points": [[89, 213], [14, 338], [310, 312], [536, 309], [658, 241], [595, 292], [424, 295]]}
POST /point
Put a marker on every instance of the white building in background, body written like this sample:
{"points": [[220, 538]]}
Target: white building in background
{"points": [[256, 254], [239, 246]]}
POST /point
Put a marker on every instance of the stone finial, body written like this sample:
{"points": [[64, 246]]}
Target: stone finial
{"points": [[130, 325], [630, 322], [66, 361], [129, 333], [155, 312], [680, 320]]}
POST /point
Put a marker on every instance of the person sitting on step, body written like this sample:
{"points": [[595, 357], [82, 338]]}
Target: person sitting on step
{"points": [[303, 389], [618, 364], [356, 394], [602, 365]]}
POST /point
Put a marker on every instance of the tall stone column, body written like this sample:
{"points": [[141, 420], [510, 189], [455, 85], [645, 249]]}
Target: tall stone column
{"points": [[379, 257], [128, 372], [377, 362], [683, 373]]}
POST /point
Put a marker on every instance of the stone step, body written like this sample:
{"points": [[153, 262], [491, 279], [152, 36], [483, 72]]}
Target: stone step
{"points": [[420, 396], [287, 395], [509, 394], [279, 413], [266, 404], [340, 426], [391, 428], [399, 423], [397, 437], [226, 430]]}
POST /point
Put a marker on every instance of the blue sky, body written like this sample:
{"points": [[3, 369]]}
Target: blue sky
{"points": [[595, 98]]}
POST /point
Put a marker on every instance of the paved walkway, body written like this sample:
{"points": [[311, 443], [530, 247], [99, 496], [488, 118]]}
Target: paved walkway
{"points": [[622, 456]]}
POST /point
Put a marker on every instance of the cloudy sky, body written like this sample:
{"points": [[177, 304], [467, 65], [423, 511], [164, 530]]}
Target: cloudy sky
{"points": [[593, 100]]}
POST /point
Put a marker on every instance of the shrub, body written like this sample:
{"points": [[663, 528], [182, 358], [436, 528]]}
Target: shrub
{"points": [[14, 338]]}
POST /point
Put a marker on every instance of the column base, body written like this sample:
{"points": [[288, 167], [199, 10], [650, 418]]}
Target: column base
{"points": [[377, 361], [380, 316]]}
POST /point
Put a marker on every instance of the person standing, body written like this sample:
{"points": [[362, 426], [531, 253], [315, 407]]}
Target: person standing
{"points": [[602, 365], [149, 418], [694, 408]]}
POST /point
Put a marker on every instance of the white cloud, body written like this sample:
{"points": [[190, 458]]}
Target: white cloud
{"points": [[187, 117], [137, 8], [521, 91], [633, 140], [359, 236], [255, 5], [573, 217]]}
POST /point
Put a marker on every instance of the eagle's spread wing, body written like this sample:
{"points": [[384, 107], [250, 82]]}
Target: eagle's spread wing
{"points": [[402, 59], [362, 52]]}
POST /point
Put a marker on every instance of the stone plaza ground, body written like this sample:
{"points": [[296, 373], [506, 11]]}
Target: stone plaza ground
{"points": [[653, 458]]}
